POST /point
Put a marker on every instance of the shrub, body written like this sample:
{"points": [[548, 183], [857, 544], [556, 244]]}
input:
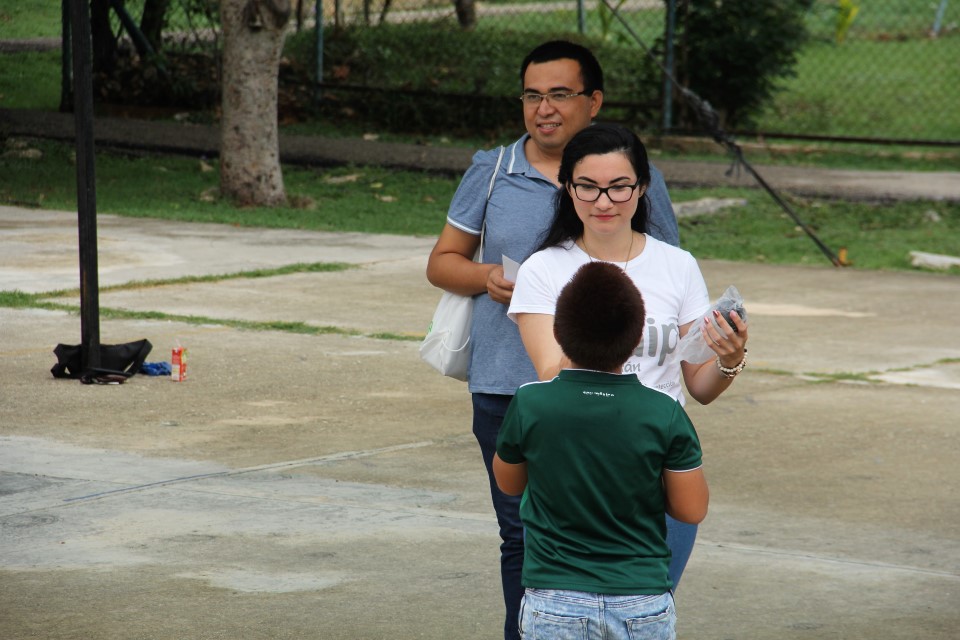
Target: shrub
{"points": [[426, 77], [732, 54]]}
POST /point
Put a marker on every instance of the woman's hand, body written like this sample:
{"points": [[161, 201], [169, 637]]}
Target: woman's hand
{"points": [[729, 343], [705, 381]]}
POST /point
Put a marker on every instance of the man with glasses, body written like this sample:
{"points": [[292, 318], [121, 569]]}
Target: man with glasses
{"points": [[507, 199]]}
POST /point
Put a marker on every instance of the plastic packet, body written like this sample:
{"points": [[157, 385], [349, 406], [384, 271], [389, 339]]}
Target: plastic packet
{"points": [[693, 346]]}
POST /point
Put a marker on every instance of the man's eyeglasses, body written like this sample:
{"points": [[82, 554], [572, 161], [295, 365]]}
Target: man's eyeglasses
{"points": [[554, 97], [615, 192]]}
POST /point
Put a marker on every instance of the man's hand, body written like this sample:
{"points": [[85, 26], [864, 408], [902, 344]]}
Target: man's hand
{"points": [[499, 288]]}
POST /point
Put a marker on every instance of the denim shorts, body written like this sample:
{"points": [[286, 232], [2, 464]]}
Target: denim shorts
{"points": [[547, 614]]}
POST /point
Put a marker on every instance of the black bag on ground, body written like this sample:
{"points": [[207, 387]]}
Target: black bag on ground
{"points": [[119, 360]]}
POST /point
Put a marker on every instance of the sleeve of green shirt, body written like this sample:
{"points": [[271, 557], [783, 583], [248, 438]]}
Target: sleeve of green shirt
{"points": [[684, 453], [510, 438]]}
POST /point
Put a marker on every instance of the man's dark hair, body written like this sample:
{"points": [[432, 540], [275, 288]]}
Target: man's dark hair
{"points": [[600, 317], [590, 71], [596, 140]]}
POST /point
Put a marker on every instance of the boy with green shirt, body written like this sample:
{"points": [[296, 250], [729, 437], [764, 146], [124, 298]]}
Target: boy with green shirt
{"points": [[599, 459]]}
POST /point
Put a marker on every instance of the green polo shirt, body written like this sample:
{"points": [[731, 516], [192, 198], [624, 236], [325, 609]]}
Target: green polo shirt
{"points": [[596, 445]]}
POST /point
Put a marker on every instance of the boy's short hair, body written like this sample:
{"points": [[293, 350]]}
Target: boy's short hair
{"points": [[590, 71], [600, 317]]}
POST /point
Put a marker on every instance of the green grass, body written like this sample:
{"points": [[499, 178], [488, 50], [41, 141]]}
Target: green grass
{"points": [[374, 200], [45, 300], [911, 87], [367, 199], [875, 235], [24, 19], [862, 378], [646, 23], [300, 267], [30, 80], [801, 153], [21, 19], [771, 151], [878, 19], [17, 299]]}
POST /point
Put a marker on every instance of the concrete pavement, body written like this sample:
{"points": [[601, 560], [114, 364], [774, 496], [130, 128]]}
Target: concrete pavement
{"points": [[328, 486]]}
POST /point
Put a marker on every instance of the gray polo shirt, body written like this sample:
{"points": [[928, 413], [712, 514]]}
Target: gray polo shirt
{"points": [[518, 216]]}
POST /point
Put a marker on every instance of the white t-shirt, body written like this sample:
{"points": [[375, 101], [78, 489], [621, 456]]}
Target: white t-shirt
{"points": [[673, 291]]}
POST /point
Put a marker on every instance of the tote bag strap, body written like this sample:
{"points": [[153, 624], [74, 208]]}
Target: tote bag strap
{"points": [[483, 228]]}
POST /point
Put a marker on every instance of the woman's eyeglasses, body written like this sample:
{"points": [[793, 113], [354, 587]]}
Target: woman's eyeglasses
{"points": [[615, 192]]}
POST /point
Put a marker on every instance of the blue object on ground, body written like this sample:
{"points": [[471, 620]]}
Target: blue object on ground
{"points": [[155, 368]]}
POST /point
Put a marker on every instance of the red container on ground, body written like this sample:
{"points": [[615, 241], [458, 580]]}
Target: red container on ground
{"points": [[178, 364]]}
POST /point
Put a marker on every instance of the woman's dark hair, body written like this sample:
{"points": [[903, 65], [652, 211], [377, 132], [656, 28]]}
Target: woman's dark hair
{"points": [[600, 317], [597, 139], [590, 71]]}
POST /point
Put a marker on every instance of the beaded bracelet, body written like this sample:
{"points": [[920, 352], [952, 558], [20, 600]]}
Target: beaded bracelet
{"points": [[731, 372]]}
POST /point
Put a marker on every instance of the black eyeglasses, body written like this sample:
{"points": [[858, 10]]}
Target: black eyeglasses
{"points": [[615, 192], [554, 97]]}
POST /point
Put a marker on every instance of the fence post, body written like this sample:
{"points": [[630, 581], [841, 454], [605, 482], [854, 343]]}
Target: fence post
{"points": [[668, 65], [935, 30], [66, 78], [319, 25]]}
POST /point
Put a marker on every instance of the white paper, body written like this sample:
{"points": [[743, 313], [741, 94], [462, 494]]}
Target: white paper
{"points": [[510, 269]]}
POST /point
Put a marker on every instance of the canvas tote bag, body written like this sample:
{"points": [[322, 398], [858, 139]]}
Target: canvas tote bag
{"points": [[447, 345]]}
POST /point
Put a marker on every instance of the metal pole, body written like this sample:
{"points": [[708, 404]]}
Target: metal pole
{"points": [[581, 17], [935, 31], [86, 191], [318, 21], [66, 91], [668, 63]]}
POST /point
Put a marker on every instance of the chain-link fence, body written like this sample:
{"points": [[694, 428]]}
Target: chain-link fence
{"points": [[879, 70], [887, 69]]}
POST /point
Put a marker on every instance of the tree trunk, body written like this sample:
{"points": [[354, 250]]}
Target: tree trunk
{"points": [[152, 21], [385, 11], [102, 39], [253, 34], [466, 13]]}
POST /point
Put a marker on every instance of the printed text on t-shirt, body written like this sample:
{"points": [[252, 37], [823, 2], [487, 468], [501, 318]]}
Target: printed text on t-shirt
{"points": [[658, 342]]}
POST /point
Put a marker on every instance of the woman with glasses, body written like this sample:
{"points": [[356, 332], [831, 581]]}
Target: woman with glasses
{"points": [[601, 214]]}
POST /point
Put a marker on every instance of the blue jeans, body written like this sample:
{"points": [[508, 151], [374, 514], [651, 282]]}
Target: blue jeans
{"points": [[547, 614], [680, 539], [488, 412]]}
